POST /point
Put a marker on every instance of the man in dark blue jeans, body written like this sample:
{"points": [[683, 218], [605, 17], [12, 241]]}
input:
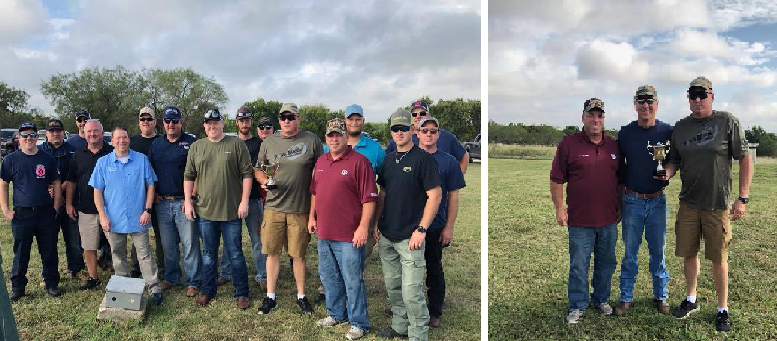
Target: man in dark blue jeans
{"points": [[588, 162], [644, 203], [33, 215]]}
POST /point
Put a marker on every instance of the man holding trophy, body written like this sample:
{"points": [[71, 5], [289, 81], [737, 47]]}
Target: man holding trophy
{"points": [[284, 167], [643, 145]]}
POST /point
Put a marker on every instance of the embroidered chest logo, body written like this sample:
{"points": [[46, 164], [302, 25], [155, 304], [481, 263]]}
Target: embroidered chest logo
{"points": [[184, 144], [40, 171], [407, 169], [613, 156], [344, 172]]}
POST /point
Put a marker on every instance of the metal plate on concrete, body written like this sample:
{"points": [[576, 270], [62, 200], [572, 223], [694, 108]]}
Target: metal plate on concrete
{"points": [[124, 292]]}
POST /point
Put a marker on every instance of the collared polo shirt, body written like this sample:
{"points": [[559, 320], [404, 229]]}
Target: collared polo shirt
{"points": [[369, 148], [31, 176], [341, 187], [124, 189], [168, 159], [591, 173], [447, 143], [81, 167], [62, 155], [638, 165], [451, 179]]}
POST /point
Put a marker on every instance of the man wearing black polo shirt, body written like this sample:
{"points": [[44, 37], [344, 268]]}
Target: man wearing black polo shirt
{"points": [[80, 197], [411, 194], [33, 216], [588, 162], [63, 153], [168, 158], [78, 141]]}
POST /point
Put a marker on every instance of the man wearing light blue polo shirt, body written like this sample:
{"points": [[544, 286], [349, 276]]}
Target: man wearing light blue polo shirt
{"points": [[123, 184]]}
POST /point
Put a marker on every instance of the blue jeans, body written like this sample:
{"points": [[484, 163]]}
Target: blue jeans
{"points": [[252, 221], [341, 268], [211, 232], [73, 252], [174, 228], [648, 215], [582, 242]]}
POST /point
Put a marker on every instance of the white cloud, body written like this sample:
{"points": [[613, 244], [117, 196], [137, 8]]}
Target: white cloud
{"points": [[19, 20]]}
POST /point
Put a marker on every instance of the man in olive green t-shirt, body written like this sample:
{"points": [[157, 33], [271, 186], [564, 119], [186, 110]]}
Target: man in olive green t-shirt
{"points": [[286, 209], [221, 166]]}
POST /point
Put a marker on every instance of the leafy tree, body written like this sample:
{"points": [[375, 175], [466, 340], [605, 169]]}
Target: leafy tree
{"points": [[569, 130], [378, 131], [261, 108], [14, 108], [313, 118], [767, 142]]}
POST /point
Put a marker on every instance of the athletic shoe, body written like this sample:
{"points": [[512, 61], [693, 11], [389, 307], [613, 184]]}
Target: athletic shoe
{"points": [[574, 316], [328, 321], [390, 333], [722, 324], [91, 283], [304, 305], [268, 304], [604, 308], [685, 309], [354, 333]]}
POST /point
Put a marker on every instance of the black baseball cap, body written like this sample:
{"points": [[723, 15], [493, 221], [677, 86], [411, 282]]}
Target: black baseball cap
{"points": [[54, 124]]}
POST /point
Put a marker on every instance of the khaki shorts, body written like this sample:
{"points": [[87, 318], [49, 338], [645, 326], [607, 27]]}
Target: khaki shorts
{"points": [[90, 230], [287, 230], [692, 225]]}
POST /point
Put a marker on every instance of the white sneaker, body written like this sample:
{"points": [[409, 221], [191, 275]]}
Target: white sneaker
{"points": [[604, 308], [574, 316], [327, 322], [354, 333]]}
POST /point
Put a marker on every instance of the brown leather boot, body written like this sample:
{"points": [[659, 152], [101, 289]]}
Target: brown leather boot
{"points": [[203, 300], [661, 306], [622, 307]]}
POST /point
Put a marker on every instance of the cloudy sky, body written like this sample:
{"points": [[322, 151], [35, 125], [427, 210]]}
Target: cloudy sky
{"points": [[380, 54], [547, 57]]}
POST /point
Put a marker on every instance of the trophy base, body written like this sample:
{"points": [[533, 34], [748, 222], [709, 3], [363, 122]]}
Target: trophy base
{"points": [[659, 173], [271, 186]]}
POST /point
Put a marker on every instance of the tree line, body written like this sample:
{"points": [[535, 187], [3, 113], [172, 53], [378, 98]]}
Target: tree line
{"points": [[545, 135], [115, 95]]}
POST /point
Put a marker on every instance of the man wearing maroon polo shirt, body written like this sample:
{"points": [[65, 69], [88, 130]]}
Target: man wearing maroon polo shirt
{"points": [[588, 162], [343, 195]]}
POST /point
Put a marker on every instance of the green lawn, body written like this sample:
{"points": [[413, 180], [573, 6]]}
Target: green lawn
{"points": [[73, 316], [529, 264]]}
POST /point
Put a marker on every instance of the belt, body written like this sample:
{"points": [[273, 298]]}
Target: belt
{"points": [[646, 195], [172, 197], [34, 208]]}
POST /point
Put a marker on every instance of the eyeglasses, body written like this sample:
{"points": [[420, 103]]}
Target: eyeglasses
{"points": [[643, 100], [291, 117], [30, 135], [400, 128], [693, 95], [420, 113], [172, 120], [265, 127], [433, 131], [146, 119]]}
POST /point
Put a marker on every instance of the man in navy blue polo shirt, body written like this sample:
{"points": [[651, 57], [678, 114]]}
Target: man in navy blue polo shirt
{"points": [[33, 215], [168, 158], [440, 231], [78, 141], [62, 152], [644, 203], [447, 142]]}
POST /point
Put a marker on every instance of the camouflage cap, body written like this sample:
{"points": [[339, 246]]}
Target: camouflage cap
{"points": [[336, 125], [264, 121], [289, 107], [428, 119], [646, 90], [703, 82], [401, 117], [146, 111], [593, 103]]}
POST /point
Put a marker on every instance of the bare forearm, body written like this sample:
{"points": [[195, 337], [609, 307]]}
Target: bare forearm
{"points": [[379, 204], [149, 195], [247, 182], [745, 175], [98, 202], [557, 193], [312, 214], [434, 196], [57, 187], [368, 208], [188, 189], [453, 208], [261, 177], [464, 163], [4, 195], [69, 192]]}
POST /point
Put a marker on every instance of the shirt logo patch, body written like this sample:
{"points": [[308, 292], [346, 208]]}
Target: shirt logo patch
{"points": [[227, 152], [373, 194], [344, 172], [40, 171], [584, 155], [407, 169], [111, 168], [613, 156]]}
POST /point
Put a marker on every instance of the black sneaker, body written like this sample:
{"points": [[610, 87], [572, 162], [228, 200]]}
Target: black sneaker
{"points": [[16, 295], [685, 309], [722, 323], [91, 283], [268, 304], [304, 305], [54, 291], [389, 333], [321, 298]]}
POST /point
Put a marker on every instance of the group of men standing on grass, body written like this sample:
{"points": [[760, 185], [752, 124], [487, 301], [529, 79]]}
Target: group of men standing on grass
{"points": [[198, 193], [611, 181]]}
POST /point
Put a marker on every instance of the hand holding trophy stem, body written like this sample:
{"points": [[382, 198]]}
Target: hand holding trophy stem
{"points": [[659, 154], [270, 169]]}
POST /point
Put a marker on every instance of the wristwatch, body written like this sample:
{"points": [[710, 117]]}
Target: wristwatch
{"points": [[420, 229], [744, 200], [148, 210]]}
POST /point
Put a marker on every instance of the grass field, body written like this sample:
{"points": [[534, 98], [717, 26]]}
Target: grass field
{"points": [[529, 264], [73, 316]]}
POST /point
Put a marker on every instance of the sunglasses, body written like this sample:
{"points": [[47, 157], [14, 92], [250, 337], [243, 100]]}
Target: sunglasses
{"points": [[693, 95], [81, 119], [291, 117], [400, 128], [433, 131], [420, 113], [265, 127], [643, 100], [146, 119], [172, 120], [30, 135]]}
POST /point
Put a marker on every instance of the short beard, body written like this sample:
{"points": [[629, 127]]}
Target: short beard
{"points": [[354, 133]]}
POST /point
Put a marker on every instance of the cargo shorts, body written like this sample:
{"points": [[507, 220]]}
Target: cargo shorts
{"points": [[693, 225]]}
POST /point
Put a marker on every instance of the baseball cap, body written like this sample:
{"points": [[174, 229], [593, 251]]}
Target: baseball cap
{"points": [[419, 104], [401, 117], [335, 125], [428, 119], [264, 121], [289, 107], [354, 109], [243, 112], [593, 103], [28, 125], [701, 81], [54, 124], [83, 113], [146, 111], [171, 112], [646, 90], [213, 114]]}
